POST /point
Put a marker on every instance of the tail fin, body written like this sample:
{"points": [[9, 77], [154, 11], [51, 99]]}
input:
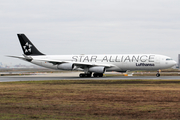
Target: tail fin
{"points": [[27, 47]]}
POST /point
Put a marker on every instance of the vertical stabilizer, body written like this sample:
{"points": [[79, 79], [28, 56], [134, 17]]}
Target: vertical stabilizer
{"points": [[27, 47]]}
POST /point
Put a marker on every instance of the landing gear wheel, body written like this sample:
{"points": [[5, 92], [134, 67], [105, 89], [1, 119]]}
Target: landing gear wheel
{"points": [[157, 75], [98, 75], [81, 75], [94, 75], [88, 75], [85, 75], [101, 75]]}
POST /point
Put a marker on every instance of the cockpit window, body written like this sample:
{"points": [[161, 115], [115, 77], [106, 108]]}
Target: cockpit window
{"points": [[169, 59]]}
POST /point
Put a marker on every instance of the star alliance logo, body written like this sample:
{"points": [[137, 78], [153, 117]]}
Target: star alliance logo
{"points": [[27, 47]]}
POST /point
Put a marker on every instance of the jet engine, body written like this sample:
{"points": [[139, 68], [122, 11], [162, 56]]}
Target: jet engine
{"points": [[65, 66], [97, 69]]}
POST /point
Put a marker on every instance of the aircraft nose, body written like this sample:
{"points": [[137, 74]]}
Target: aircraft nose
{"points": [[174, 62]]}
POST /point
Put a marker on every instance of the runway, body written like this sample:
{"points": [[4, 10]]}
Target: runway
{"points": [[74, 76]]}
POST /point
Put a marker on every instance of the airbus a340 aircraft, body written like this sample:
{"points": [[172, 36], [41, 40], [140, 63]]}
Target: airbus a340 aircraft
{"points": [[96, 64]]}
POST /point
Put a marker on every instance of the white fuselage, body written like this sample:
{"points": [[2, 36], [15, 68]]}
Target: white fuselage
{"points": [[115, 62], [93, 64]]}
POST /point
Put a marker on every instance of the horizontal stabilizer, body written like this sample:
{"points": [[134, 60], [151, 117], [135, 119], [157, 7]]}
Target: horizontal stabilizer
{"points": [[24, 57], [20, 57]]}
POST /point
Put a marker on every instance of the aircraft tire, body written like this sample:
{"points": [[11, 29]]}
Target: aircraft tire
{"points": [[84, 75], [95, 75], [157, 75], [98, 75], [80, 75], [88, 75]]}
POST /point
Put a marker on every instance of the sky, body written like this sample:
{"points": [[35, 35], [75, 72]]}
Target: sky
{"points": [[62, 27]]}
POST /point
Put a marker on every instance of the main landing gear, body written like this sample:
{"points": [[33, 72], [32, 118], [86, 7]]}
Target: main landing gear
{"points": [[158, 74], [85, 75], [98, 75], [90, 74]]}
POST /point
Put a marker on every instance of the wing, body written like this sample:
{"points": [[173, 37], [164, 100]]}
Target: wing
{"points": [[77, 64], [81, 65]]}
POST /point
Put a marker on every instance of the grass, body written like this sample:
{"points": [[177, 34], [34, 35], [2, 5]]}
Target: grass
{"points": [[90, 99]]}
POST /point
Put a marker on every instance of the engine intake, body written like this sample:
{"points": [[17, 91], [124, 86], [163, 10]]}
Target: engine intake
{"points": [[66, 66], [97, 69]]}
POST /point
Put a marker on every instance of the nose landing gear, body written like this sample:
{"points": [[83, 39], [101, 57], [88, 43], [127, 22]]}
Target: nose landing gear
{"points": [[158, 73]]}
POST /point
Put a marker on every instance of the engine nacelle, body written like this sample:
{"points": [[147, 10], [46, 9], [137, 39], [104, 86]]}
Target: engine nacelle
{"points": [[66, 66], [97, 69]]}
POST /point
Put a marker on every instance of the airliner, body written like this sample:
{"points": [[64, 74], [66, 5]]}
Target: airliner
{"points": [[95, 65]]}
